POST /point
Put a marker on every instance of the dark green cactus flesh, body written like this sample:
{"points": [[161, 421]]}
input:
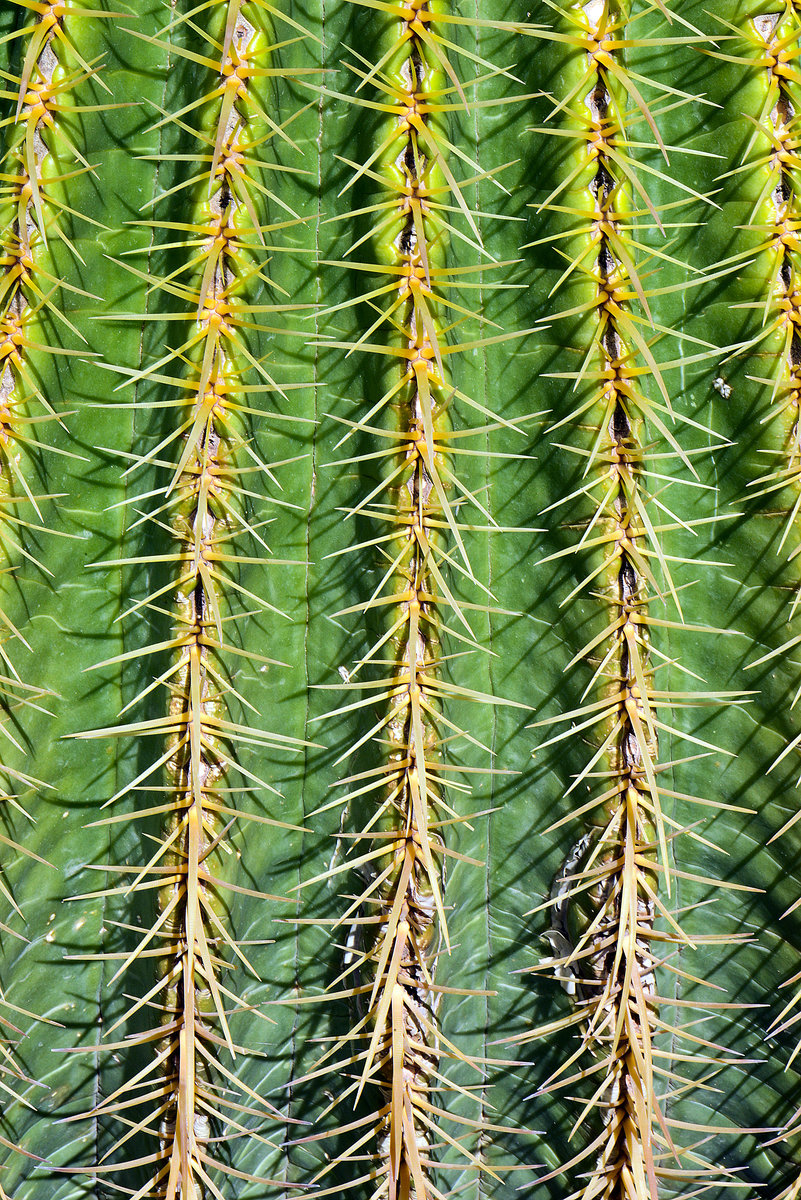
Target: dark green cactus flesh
{"points": [[400, 646]]}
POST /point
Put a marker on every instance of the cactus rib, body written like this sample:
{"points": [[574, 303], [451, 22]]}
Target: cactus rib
{"points": [[191, 1097], [606, 902], [400, 928]]}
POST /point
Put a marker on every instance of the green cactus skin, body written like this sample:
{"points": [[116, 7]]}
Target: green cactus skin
{"points": [[385, 1034]]}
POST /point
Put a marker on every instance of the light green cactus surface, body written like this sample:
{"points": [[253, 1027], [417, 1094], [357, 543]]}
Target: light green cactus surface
{"points": [[400, 577]]}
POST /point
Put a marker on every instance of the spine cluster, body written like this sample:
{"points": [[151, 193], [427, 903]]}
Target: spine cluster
{"points": [[774, 36], [38, 156], [31, 206]]}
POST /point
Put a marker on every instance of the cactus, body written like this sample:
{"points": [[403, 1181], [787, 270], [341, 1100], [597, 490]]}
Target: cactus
{"points": [[398, 606]]}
